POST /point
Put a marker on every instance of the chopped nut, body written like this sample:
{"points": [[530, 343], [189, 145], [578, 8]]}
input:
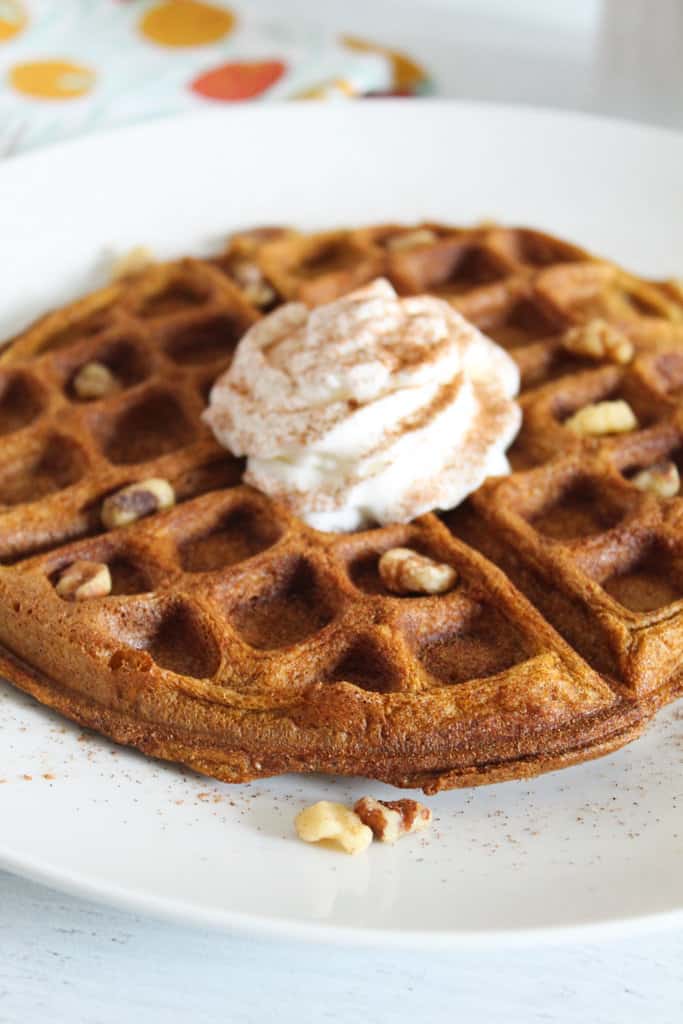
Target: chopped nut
{"points": [[83, 580], [662, 479], [411, 239], [260, 295], [404, 571], [136, 501], [327, 820], [249, 277], [599, 340], [95, 380], [132, 262], [602, 418], [246, 272], [391, 819]]}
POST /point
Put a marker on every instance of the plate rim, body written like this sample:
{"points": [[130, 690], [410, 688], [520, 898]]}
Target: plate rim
{"points": [[293, 109], [260, 926]]}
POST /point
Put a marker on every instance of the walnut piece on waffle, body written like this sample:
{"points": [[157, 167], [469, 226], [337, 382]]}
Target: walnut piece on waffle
{"points": [[136, 501], [83, 580], [405, 571], [94, 381], [602, 418], [240, 642], [240, 261], [662, 479], [599, 340]]}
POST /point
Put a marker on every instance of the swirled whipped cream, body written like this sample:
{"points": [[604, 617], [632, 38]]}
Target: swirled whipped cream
{"points": [[370, 409]]}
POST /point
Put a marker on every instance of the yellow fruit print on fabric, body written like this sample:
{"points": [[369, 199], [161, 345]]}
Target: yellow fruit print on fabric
{"points": [[186, 23], [52, 79], [13, 19]]}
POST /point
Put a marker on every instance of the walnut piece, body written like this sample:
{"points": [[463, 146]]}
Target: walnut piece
{"points": [[391, 819], [662, 479], [95, 380], [136, 501], [602, 418], [404, 571], [328, 820], [411, 239], [246, 272], [260, 295], [598, 339], [250, 279], [132, 262], [84, 580]]}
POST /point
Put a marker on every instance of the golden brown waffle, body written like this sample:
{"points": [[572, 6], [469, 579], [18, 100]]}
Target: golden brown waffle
{"points": [[243, 643]]}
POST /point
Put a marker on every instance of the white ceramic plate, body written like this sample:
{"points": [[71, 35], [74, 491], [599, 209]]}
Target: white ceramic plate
{"points": [[598, 846]]}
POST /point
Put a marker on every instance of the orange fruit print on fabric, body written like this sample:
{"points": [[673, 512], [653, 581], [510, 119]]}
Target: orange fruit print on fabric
{"points": [[238, 80], [186, 23]]}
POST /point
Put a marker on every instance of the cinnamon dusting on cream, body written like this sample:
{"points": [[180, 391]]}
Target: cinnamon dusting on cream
{"points": [[371, 408]]}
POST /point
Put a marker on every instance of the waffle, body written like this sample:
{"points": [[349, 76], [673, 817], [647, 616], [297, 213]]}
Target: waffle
{"points": [[242, 643]]}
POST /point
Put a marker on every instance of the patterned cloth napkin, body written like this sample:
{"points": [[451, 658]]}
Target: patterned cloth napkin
{"points": [[72, 66]]}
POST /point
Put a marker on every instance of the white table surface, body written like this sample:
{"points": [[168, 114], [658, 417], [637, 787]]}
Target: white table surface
{"points": [[62, 959]]}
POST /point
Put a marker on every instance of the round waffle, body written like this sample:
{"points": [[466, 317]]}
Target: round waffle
{"points": [[243, 643]]}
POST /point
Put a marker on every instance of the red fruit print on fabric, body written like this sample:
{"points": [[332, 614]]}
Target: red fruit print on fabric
{"points": [[238, 80]]}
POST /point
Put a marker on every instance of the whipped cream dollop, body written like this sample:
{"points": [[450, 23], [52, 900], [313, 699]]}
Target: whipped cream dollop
{"points": [[370, 409]]}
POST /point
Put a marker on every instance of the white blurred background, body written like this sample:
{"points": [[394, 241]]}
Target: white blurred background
{"points": [[618, 57]]}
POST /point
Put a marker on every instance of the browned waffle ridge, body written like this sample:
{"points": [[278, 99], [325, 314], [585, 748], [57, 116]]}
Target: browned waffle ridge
{"points": [[244, 644]]}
